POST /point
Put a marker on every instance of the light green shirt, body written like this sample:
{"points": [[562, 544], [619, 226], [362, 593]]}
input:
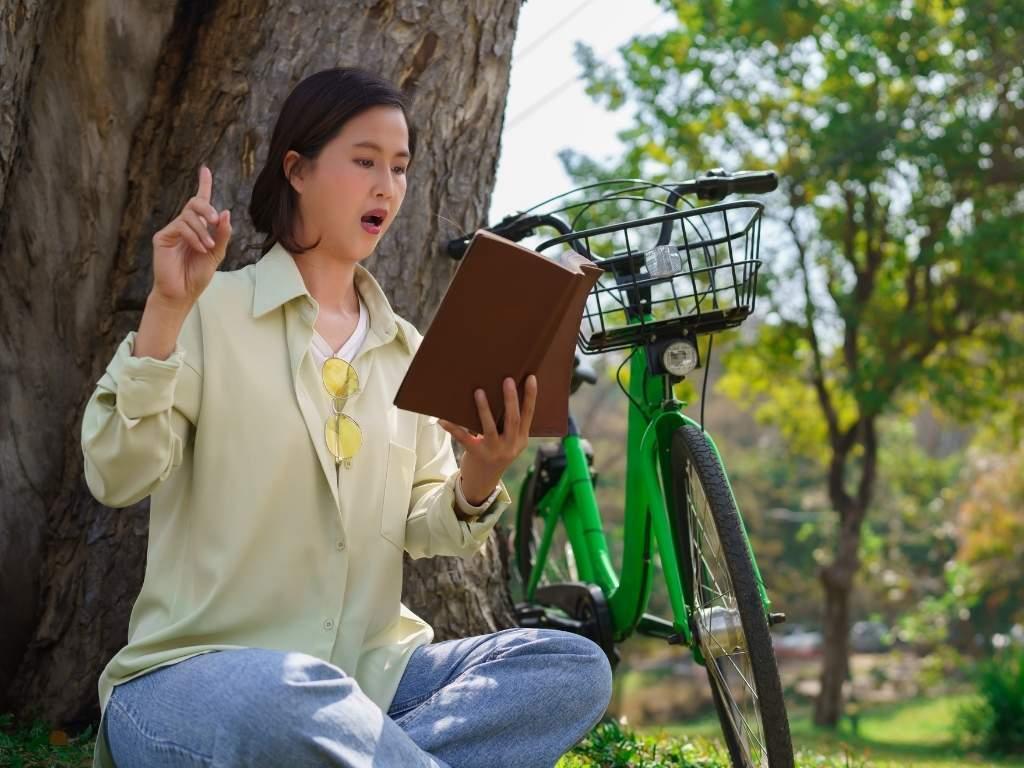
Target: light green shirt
{"points": [[256, 537]]}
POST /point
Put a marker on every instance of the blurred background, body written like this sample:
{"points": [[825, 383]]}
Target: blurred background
{"points": [[869, 412]]}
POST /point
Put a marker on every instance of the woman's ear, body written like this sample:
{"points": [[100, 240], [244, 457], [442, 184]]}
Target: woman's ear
{"points": [[293, 168]]}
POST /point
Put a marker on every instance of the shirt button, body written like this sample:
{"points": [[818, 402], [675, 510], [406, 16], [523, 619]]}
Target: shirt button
{"points": [[328, 624], [340, 545]]}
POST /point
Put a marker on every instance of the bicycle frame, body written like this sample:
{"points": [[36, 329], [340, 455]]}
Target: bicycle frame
{"points": [[572, 500]]}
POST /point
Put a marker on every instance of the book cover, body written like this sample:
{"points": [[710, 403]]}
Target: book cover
{"points": [[508, 311]]}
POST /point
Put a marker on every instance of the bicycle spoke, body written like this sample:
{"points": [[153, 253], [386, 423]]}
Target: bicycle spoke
{"points": [[711, 539], [757, 736], [710, 572], [733, 711], [560, 565], [716, 553], [728, 655], [713, 591]]}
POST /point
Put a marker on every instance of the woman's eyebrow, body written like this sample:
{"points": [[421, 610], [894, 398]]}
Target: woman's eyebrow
{"points": [[371, 145]]}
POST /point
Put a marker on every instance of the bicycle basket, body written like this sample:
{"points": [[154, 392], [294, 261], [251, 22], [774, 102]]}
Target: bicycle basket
{"points": [[704, 279]]}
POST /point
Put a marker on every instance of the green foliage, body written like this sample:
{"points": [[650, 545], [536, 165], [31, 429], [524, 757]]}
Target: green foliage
{"points": [[983, 588], [609, 746], [910, 537], [37, 746], [892, 251], [895, 266], [995, 722], [992, 537]]}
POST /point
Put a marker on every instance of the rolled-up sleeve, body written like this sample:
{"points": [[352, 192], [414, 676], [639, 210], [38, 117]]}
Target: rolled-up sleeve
{"points": [[139, 420], [432, 528]]}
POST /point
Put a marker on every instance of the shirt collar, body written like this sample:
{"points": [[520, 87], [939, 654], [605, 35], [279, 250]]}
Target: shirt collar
{"points": [[278, 281]]}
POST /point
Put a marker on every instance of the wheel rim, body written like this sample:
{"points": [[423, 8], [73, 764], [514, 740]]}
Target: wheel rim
{"points": [[719, 631]]}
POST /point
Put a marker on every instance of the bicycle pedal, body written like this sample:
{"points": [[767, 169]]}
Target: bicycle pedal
{"points": [[776, 618]]}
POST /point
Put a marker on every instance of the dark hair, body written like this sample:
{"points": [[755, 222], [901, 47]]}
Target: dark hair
{"points": [[311, 116]]}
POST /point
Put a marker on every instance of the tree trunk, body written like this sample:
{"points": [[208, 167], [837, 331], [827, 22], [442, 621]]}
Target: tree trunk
{"points": [[114, 105], [828, 707], [837, 578]]}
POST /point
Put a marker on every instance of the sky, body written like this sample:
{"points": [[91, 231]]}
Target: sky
{"points": [[547, 109]]}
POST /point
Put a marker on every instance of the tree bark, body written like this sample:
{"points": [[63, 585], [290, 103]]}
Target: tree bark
{"points": [[837, 578], [114, 106]]}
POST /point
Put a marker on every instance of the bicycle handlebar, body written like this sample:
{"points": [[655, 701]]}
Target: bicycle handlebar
{"points": [[513, 227], [715, 184]]}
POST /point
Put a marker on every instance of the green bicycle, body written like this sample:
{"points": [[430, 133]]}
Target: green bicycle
{"points": [[668, 278]]}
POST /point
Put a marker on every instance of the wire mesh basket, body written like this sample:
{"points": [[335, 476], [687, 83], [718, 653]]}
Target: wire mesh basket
{"points": [[701, 278]]}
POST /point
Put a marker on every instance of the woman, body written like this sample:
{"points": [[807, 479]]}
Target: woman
{"points": [[255, 408]]}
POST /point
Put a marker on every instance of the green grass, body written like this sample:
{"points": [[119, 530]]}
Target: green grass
{"points": [[912, 734], [909, 734], [30, 747], [609, 746]]}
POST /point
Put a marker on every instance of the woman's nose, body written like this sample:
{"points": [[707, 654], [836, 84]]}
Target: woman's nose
{"points": [[385, 185]]}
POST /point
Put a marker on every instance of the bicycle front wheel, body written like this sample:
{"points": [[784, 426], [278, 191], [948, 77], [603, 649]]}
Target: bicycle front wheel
{"points": [[727, 618]]}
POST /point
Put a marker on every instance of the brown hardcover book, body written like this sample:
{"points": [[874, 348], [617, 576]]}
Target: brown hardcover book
{"points": [[508, 311]]}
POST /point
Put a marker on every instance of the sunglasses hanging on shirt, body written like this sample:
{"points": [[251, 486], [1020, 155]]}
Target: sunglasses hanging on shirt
{"points": [[341, 431]]}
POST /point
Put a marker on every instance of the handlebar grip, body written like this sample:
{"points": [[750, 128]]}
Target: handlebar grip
{"points": [[756, 182], [457, 248], [717, 184]]}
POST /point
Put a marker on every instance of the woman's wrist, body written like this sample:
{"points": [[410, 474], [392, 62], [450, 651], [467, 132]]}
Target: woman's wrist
{"points": [[476, 501], [476, 490], [159, 328]]}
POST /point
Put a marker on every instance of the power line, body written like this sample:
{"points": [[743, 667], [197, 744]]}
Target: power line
{"points": [[513, 121], [550, 31]]}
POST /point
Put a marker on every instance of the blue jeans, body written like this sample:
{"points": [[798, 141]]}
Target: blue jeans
{"points": [[517, 697]]}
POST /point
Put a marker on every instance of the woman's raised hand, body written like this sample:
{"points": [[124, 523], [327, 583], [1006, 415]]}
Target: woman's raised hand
{"points": [[189, 249]]}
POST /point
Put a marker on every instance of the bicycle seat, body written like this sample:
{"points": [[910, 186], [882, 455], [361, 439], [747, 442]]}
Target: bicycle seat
{"points": [[581, 372]]}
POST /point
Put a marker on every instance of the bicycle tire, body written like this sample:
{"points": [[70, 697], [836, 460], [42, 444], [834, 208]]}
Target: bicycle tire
{"points": [[690, 450], [526, 545]]}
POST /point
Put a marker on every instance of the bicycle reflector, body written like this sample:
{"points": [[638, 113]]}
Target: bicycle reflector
{"points": [[680, 357], [663, 261]]}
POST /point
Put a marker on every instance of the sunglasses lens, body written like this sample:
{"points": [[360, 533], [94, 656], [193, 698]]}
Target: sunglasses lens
{"points": [[339, 378], [343, 436]]}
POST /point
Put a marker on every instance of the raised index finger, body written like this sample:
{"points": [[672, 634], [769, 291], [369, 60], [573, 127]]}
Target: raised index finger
{"points": [[205, 184]]}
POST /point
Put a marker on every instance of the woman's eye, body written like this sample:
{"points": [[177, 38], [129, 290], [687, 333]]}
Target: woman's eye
{"points": [[369, 164]]}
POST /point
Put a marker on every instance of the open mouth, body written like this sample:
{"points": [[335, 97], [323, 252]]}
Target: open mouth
{"points": [[371, 223]]}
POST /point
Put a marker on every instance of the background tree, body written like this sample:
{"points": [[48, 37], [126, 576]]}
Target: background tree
{"points": [[893, 271], [109, 108]]}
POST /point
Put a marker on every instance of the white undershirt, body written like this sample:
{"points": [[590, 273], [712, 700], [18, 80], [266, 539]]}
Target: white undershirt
{"points": [[321, 349]]}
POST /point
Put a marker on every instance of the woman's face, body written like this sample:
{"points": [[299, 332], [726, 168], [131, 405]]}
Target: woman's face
{"points": [[361, 172]]}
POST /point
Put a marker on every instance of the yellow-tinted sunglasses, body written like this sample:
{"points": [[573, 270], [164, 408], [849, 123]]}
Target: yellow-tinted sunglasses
{"points": [[341, 431]]}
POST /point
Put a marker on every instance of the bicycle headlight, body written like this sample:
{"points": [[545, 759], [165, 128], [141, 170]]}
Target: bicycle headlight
{"points": [[680, 357]]}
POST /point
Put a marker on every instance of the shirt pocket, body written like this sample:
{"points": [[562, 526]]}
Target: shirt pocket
{"points": [[401, 467]]}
